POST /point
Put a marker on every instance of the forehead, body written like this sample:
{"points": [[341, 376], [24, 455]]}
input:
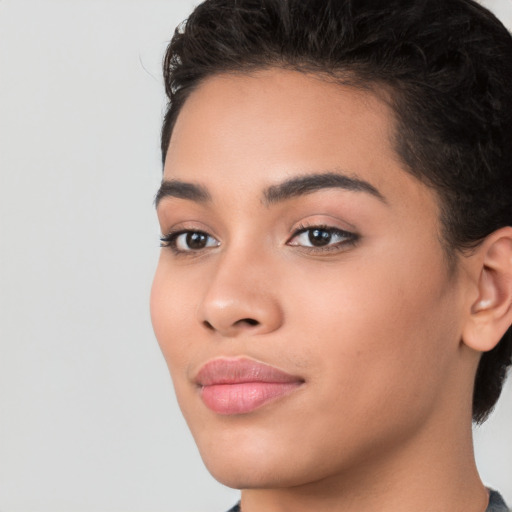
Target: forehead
{"points": [[241, 132]]}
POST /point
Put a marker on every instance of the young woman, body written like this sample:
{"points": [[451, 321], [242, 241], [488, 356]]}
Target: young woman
{"points": [[334, 292]]}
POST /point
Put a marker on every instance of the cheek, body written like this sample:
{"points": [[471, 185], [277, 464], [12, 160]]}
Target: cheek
{"points": [[171, 310], [370, 328]]}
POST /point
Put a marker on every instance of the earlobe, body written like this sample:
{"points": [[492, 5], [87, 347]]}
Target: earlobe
{"points": [[491, 312]]}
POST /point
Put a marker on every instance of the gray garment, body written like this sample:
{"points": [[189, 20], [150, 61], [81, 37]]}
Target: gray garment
{"points": [[496, 504]]}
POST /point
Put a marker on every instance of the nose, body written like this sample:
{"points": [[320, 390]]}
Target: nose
{"points": [[241, 299]]}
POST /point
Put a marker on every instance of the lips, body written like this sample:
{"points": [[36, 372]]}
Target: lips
{"points": [[239, 386]]}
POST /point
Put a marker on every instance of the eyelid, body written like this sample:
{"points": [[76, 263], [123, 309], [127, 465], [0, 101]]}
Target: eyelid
{"points": [[350, 238], [169, 240], [169, 228]]}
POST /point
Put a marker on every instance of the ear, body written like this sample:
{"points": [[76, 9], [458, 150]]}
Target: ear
{"points": [[491, 312]]}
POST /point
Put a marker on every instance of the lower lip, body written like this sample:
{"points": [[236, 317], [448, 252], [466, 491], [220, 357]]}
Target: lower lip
{"points": [[244, 397]]}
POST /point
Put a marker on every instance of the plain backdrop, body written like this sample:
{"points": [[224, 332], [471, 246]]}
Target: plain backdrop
{"points": [[88, 421]]}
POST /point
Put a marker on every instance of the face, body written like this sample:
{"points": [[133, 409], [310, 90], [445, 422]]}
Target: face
{"points": [[302, 299]]}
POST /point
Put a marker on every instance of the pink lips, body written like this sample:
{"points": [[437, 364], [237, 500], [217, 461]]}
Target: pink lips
{"points": [[238, 386]]}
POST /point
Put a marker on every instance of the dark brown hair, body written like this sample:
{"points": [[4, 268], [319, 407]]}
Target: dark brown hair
{"points": [[448, 66]]}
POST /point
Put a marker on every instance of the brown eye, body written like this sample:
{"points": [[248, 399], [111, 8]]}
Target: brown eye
{"points": [[322, 237], [189, 241], [319, 237], [196, 240]]}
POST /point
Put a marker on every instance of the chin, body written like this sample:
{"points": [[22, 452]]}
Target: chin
{"points": [[260, 473], [255, 458], [241, 476], [245, 458]]}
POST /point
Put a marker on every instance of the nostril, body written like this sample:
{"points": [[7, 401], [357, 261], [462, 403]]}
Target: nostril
{"points": [[208, 325], [248, 321], [243, 322]]}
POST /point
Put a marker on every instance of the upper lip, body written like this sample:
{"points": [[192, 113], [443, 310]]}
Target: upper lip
{"points": [[240, 370]]}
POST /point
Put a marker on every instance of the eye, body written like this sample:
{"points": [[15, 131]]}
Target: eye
{"points": [[322, 237], [188, 241]]}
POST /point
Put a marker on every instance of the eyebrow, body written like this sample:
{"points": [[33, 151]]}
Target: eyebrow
{"points": [[309, 183], [293, 187], [182, 190]]}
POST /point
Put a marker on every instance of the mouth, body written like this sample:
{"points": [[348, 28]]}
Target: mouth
{"points": [[239, 386]]}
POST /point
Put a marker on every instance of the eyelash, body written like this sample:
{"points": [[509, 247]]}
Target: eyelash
{"points": [[170, 240], [349, 239]]}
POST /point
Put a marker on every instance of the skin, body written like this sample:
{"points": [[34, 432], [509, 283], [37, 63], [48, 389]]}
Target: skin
{"points": [[374, 326]]}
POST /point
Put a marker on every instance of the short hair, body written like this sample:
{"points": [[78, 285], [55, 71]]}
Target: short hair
{"points": [[447, 66]]}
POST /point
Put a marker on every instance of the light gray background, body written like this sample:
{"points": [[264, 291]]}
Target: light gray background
{"points": [[88, 421]]}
